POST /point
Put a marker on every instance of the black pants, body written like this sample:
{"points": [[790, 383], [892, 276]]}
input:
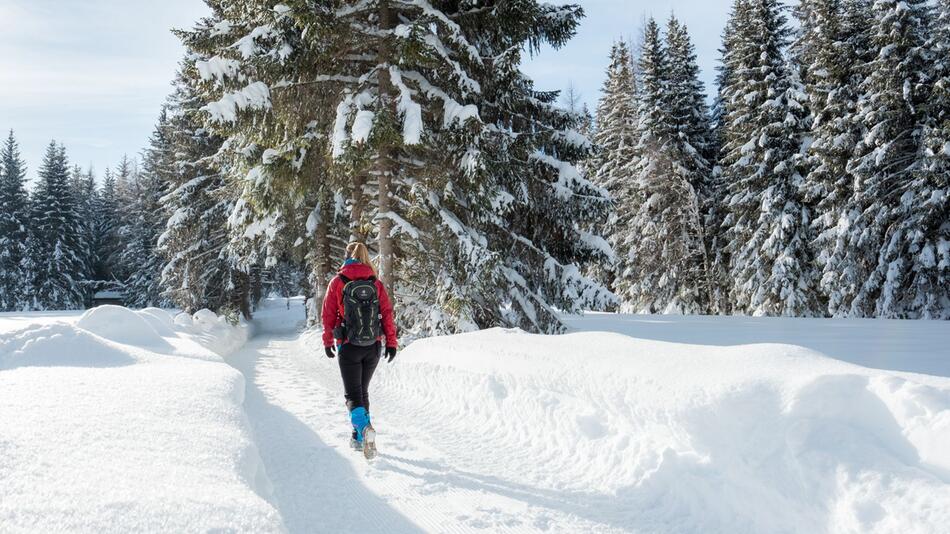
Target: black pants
{"points": [[356, 366]]}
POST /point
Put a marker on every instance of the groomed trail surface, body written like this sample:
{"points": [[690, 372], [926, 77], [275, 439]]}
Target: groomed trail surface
{"points": [[419, 482], [502, 431]]}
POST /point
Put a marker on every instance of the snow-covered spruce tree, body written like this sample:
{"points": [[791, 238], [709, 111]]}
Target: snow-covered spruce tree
{"points": [[914, 262], [196, 272], [892, 98], [105, 241], [547, 206], [82, 184], [667, 269], [713, 196], [145, 220], [398, 85], [613, 165], [832, 48], [762, 122], [688, 109], [265, 74], [55, 261], [14, 217]]}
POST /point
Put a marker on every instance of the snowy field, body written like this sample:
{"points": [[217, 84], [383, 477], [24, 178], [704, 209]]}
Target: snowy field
{"points": [[660, 424], [913, 346]]}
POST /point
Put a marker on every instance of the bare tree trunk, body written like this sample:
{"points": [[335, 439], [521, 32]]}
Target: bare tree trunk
{"points": [[386, 165], [357, 225]]}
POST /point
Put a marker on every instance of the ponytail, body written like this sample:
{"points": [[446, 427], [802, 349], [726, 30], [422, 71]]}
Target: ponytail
{"points": [[360, 253]]}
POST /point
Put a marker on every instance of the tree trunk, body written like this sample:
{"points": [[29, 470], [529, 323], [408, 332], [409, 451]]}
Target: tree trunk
{"points": [[321, 268], [357, 225], [386, 165]]}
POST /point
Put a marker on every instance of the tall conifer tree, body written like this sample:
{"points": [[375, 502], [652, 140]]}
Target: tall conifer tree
{"points": [[55, 237], [14, 217], [196, 271], [915, 260], [667, 269], [613, 166], [763, 121], [832, 50], [892, 97]]}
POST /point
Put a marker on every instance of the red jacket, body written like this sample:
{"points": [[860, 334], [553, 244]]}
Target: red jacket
{"points": [[333, 305]]}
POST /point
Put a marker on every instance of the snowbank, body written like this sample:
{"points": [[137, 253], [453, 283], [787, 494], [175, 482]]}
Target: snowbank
{"points": [[650, 436], [123, 325], [126, 421]]}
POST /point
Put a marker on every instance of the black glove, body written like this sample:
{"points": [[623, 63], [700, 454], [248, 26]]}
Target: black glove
{"points": [[390, 353], [330, 353]]}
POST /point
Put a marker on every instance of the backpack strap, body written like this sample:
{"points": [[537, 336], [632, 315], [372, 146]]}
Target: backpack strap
{"points": [[345, 281]]}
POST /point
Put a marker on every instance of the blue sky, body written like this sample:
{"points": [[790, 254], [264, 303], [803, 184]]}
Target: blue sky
{"points": [[93, 75]]}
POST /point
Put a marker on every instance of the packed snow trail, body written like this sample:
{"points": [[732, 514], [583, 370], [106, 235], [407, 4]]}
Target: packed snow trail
{"points": [[504, 431], [295, 404]]}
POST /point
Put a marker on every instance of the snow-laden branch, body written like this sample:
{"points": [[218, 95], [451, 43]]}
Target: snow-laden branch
{"points": [[254, 96], [452, 110], [400, 223], [218, 68], [410, 110], [568, 177]]}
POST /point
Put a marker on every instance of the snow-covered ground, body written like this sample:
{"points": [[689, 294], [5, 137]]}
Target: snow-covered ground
{"points": [[684, 427], [122, 421], [10, 321]]}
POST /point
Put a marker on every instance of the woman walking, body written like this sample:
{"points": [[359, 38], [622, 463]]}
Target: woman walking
{"points": [[357, 314]]}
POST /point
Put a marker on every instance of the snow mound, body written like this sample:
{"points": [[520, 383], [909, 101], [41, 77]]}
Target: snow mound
{"points": [[123, 325], [205, 318], [59, 345], [184, 320], [666, 437], [159, 319], [215, 332]]}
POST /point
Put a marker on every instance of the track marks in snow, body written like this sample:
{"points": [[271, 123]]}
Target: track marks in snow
{"points": [[295, 404], [315, 488], [503, 432]]}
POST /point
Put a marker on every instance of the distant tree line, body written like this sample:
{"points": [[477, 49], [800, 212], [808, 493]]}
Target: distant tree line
{"points": [[74, 235]]}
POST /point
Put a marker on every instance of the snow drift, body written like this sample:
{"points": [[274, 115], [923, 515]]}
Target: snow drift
{"points": [[123, 421], [651, 436]]}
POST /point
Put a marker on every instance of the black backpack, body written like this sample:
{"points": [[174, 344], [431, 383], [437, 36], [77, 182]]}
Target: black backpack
{"points": [[360, 311]]}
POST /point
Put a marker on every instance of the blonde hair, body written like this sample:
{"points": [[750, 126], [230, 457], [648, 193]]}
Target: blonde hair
{"points": [[360, 253]]}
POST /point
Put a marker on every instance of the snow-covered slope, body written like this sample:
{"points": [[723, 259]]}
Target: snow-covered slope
{"points": [[126, 421], [652, 436]]}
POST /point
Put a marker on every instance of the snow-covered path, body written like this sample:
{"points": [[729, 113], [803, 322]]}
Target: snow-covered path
{"points": [[295, 405]]}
